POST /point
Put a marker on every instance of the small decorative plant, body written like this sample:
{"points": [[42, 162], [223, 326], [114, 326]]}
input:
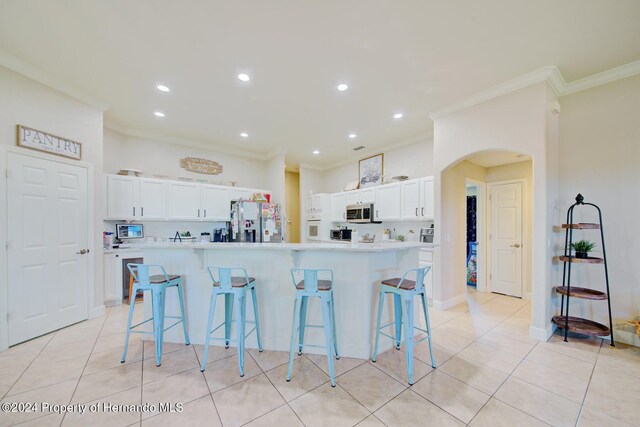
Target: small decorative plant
{"points": [[582, 248]]}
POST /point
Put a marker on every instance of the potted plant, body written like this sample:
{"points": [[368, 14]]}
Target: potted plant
{"points": [[582, 248]]}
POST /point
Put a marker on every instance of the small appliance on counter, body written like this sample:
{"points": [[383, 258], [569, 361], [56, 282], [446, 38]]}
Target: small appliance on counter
{"points": [[341, 234], [220, 235], [426, 234]]}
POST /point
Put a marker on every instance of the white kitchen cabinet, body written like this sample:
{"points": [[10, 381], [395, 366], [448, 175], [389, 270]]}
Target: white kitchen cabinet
{"points": [[123, 193], [339, 207], [388, 204], [216, 203], [411, 200], [241, 193], [427, 199], [112, 279], [151, 199], [364, 196], [183, 200]]}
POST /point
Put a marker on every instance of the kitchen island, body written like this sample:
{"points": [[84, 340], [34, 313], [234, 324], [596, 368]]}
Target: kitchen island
{"points": [[357, 269]]}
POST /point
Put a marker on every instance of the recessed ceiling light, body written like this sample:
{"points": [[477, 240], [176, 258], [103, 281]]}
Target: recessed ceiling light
{"points": [[342, 87], [398, 115], [352, 135], [244, 135], [244, 77], [159, 114], [163, 88], [316, 152]]}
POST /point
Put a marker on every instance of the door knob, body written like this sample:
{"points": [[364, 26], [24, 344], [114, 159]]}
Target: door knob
{"points": [[83, 251], [515, 246]]}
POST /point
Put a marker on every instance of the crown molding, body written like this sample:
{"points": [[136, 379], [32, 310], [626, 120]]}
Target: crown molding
{"points": [[608, 76], [135, 133], [34, 73]]}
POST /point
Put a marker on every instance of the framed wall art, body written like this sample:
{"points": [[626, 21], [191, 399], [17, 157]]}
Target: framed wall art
{"points": [[370, 170]]}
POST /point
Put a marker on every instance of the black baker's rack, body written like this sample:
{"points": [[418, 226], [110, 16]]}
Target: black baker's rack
{"points": [[572, 323]]}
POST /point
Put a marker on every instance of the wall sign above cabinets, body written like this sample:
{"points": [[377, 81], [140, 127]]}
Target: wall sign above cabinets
{"points": [[204, 166], [42, 141]]}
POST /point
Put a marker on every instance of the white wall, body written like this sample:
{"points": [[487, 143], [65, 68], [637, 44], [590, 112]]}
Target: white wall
{"points": [[32, 104], [414, 160], [155, 157], [600, 158]]}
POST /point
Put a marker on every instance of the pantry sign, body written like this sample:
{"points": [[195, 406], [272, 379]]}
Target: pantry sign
{"points": [[42, 141]]}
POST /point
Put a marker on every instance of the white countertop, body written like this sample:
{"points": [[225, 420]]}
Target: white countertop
{"points": [[318, 246]]}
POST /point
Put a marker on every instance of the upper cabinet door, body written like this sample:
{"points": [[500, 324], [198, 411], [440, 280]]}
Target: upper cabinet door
{"points": [[427, 210], [388, 202], [368, 195], [122, 197], [216, 203], [353, 197], [183, 201], [152, 199], [411, 200], [339, 207], [242, 194]]}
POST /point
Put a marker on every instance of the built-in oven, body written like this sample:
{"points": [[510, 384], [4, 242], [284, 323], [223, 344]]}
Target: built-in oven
{"points": [[360, 213], [318, 230]]}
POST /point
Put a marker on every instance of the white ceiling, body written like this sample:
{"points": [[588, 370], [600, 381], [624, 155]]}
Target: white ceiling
{"points": [[411, 56]]}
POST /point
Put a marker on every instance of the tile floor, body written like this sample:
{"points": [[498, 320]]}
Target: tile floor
{"points": [[490, 373]]}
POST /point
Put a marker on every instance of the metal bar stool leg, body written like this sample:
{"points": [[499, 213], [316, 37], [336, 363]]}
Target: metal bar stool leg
{"points": [[228, 315], [187, 341], [256, 317], [397, 316], [425, 308], [294, 331], [333, 321], [130, 318], [407, 318], [381, 297], [158, 321], [207, 338], [328, 334], [303, 323], [240, 305]]}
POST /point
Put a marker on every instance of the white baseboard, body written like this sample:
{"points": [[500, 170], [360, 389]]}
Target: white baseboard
{"points": [[542, 334], [528, 296], [451, 302], [96, 312]]}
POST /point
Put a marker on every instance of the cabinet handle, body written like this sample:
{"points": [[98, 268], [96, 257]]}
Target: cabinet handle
{"points": [[198, 213], [377, 215], [142, 211], [416, 211], [205, 213], [422, 212], [344, 215], [134, 211]]}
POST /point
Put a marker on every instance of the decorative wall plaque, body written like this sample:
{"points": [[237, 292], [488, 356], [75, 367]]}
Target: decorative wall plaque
{"points": [[204, 166], [42, 141]]}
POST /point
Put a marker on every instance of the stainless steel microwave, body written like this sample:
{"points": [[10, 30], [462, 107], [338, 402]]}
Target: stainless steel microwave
{"points": [[360, 213]]}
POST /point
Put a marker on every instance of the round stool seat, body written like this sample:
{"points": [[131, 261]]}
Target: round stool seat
{"points": [[407, 285], [238, 282]]}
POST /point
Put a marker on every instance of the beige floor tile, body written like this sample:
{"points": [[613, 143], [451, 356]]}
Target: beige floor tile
{"points": [[7, 381], [553, 380], [450, 340], [410, 409], [370, 421], [621, 357], [172, 363], [106, 383], [306, 376], [421, 352], [592, 418], [268, 359], [370, 386], [492, 357], [340, 366], [224, 372], [615, 379], [457, 398], [15, 363], [28, 349], [73, 335], [539, 403], [105, 417], [109, 342], [180, 388], [246, 401], [57, 394], [517, 332], [328, 406], [194, 414], [52, 420], [216, 352], [36, 377], [63, 352], [282, 416], [101, 361], [562, 362], [615, 402], [394, 363], [474, 374], [498, 414], [506, 344], [580, 348], [167, 348]]}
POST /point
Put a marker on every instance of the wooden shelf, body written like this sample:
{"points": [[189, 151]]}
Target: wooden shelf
{"points": [[582, 326], [582, 226], [588, 260], [584, 293]]}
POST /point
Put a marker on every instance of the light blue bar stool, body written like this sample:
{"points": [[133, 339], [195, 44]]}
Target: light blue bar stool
{"points": [[311, 286], [157, 284], [403, 291], [234, 290]]}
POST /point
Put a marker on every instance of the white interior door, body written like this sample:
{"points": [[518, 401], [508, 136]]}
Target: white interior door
{"points": [[47, 212], [506, 239]]}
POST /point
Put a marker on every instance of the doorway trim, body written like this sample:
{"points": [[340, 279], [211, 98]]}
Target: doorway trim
{"points": [[525, 242], [4, 282], [481, 236]]}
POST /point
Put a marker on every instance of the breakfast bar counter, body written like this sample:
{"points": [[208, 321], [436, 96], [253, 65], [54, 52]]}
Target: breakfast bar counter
{"points": [[357, 268]]}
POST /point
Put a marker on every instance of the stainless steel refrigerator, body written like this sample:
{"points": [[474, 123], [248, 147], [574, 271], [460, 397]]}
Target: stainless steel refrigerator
{"points": [[256, 222]]}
